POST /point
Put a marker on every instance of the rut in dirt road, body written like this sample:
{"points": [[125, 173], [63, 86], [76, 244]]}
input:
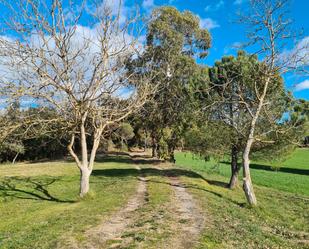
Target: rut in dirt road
{"points": [[182, 218], [112, 228], [190, 218]]}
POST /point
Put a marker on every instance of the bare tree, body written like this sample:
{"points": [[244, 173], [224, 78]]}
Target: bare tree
{"points": [[270, 33], [52, 57]]}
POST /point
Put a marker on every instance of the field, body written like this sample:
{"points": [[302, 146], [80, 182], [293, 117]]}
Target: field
{"points": [[291, 175], [39, 207], [279, 221]]}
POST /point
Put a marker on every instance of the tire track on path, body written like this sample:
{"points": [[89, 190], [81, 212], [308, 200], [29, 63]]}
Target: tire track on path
{"points": [[115, 225]]}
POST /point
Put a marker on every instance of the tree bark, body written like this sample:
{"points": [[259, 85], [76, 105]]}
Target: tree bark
{"points": [[84, 165], [14, 159], [154, 148], [247, 183], [234, 168], [171, 154], [84, 181]]}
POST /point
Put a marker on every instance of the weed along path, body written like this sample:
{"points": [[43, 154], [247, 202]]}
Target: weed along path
{"points": [[161, 214]]}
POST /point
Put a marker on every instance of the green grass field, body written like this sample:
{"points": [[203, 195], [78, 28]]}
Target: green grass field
{"points": [[291, 175], [281, 219], [40, 208]]}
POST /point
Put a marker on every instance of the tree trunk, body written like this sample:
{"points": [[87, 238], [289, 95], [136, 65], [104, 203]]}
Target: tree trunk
{"points": [[145, 144], [14, 159], [247, 183], [154, 148], [234, 168], [171, 154], [85, 166], [84, 181]]}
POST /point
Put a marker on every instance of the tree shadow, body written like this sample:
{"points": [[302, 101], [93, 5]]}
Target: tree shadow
{"points": [[120, 172], [192, 186], [124, 157], [274, 169], [31, 189]]}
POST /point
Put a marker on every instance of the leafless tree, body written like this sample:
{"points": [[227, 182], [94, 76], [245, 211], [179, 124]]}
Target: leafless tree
{"points": [[270, 32], [73, 58]]}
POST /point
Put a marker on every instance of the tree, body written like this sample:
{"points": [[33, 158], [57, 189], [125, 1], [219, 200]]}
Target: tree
{"points": [[174, 39], [226, 98], [269, 32], [32, 136], [124, 133], [55, 61], [232, 80]]}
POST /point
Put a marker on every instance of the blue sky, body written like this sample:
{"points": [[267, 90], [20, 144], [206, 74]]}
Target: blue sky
{"points": [[219, 17]]}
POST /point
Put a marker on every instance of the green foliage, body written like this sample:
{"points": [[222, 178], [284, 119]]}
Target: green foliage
{"points": [[10, 150], [174, 39], [33, 133], [122, 134], [125, 131], [227, 101]]}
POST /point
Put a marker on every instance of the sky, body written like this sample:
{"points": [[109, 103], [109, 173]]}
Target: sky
{"points": [[219, 18]]}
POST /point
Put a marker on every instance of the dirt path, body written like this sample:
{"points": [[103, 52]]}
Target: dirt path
{"points": [[188, 217], [184, 224], [191, 220], [112, 228]]}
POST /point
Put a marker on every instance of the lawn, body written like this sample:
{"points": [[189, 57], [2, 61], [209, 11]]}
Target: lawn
{"points": [[39, 204], [291, 175], [40, 208], [281, 219]]}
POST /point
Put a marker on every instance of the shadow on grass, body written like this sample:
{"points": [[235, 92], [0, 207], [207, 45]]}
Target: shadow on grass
{"points": [[167, 173], [280, 169], [123, 157], [29, 189], [153, 172]]}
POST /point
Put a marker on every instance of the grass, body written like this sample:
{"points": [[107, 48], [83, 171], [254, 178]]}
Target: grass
{"points": [[291, 176], [39, 207], [152, 222], [279, 221]]}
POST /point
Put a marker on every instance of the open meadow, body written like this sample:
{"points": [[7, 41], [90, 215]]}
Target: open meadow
{"points": [[39, 207]]}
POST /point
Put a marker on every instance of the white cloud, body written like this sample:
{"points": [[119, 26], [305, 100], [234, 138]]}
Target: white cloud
{"points": [[302, 85], [214, 7], [297, 56], [148, 4], [86, 39], [207, 8], [208, 23], [238, 2], [236, 45], [233, 46], [116, 7]]}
